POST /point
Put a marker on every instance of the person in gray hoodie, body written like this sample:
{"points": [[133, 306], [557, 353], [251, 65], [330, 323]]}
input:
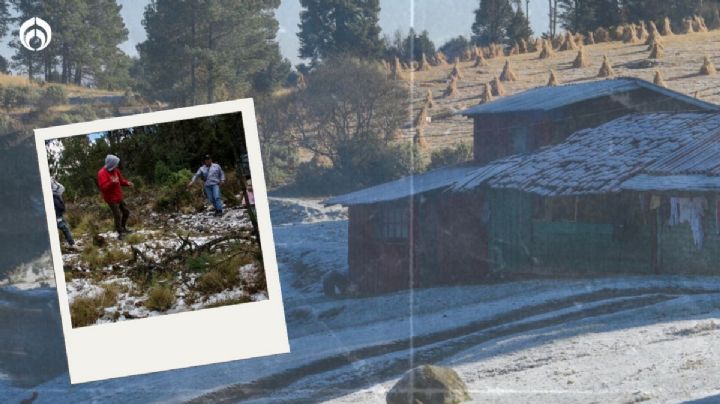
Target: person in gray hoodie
{"points": [[59, 203], [110, 181], [214, 176]]}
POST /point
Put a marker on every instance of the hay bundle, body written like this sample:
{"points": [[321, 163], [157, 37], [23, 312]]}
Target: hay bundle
{"points": [[653, 38], [538, 44], [515, 50], [590, 39], [606, 69], [642, 32], [421, 119], [579, 39], [507, 73], [486, 95], [601, 35], [498, 50], [552, 80], [656, 52], [452, 87], [455, 72], [581, 60], [687, 27], [397, 71], [440, 59], [467, 55], [568, 43], [658, 80], [419, 138], [300, 83], [480, 60], [698, 24], [496, 87], [629, 34], [547, 50], [617, 33], [653, 27], [666, 28], [429, 99], [522, 46], [708, 68], [424, 64], [557, 41]]}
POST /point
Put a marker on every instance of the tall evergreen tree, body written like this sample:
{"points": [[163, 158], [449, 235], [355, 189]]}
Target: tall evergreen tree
{"points": [[84, 46], [414, 45], [519, 27], [203, 51], [333, 27], [492, 19], [578, 15]]}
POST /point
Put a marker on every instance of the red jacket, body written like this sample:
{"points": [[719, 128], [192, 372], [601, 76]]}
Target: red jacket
{"points": [[111, 183]]}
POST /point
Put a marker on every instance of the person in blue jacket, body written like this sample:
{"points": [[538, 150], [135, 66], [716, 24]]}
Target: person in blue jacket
{"points": [[213, 176]]}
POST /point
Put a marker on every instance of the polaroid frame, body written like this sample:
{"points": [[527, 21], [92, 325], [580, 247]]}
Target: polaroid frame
{"points": [[175, 340]]}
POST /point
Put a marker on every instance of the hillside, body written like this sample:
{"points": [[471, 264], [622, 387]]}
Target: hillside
{"points": [[680, 66]]}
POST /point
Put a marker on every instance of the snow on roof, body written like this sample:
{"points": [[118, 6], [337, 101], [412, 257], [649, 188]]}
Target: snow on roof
{"points": [[599, 160], [687, 183], [404, 187], [553, 97]]}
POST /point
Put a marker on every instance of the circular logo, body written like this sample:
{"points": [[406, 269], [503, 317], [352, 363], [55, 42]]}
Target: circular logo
{"points": [[35, 34]]}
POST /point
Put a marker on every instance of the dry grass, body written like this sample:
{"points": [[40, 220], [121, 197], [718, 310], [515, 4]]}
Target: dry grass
{"points": [[160, 298], [658, 80], [606, 69], [708, 68], [86, 311], [683, 56]]}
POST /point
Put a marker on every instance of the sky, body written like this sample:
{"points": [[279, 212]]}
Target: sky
{"points": [[444, 19]]}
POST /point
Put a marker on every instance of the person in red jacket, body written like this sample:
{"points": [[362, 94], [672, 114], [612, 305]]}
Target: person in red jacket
{"points": [[111, 181]]}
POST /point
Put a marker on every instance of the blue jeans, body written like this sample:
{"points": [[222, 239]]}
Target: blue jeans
{"points": [[213, 194], [63, 226]]}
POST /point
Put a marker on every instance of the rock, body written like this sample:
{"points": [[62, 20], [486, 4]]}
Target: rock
{"points": [[428, 384]]}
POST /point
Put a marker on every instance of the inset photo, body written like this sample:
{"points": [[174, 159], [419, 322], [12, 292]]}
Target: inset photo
{"points": [[157, 218]]}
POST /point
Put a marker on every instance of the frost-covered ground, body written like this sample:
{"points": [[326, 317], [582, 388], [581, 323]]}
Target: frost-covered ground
{"points": [[159, 237], [538, 340]]}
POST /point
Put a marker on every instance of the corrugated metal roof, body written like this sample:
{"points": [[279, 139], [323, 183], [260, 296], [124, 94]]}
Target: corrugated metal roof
{"points": [[550, 98], [688, 183], [404, 187], [600, 159], [699, 157]]}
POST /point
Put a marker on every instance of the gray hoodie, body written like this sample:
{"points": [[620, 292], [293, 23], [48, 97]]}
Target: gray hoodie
{"points": [[111, 162]]}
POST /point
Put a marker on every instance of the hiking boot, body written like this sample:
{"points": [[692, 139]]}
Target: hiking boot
{"points": [[121, 236], [128, 231]]}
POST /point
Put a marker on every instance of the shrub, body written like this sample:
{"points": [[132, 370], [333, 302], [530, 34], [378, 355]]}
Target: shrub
{"points": [[53, 95], [459, 153], [160, 298], [86, 311]]}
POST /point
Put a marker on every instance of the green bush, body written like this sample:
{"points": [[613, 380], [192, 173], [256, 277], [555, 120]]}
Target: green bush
{"points": [[447, 156], [173, 194], [53, 95], [14, 97]]}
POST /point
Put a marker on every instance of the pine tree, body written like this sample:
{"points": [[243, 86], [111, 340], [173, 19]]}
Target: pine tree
{"points": [[519, 28], [332, 27], [217, 50], [492, 19]]}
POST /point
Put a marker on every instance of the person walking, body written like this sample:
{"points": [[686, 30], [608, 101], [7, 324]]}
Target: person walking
{"points": [[213, 176], [111, 181], [57, 190]]}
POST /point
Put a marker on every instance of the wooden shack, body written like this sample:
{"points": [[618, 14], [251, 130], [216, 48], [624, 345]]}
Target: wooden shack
{"points": [[414, 233]]}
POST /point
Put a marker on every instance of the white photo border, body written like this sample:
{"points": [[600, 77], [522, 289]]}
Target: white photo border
{"points": [[176, 340]]}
